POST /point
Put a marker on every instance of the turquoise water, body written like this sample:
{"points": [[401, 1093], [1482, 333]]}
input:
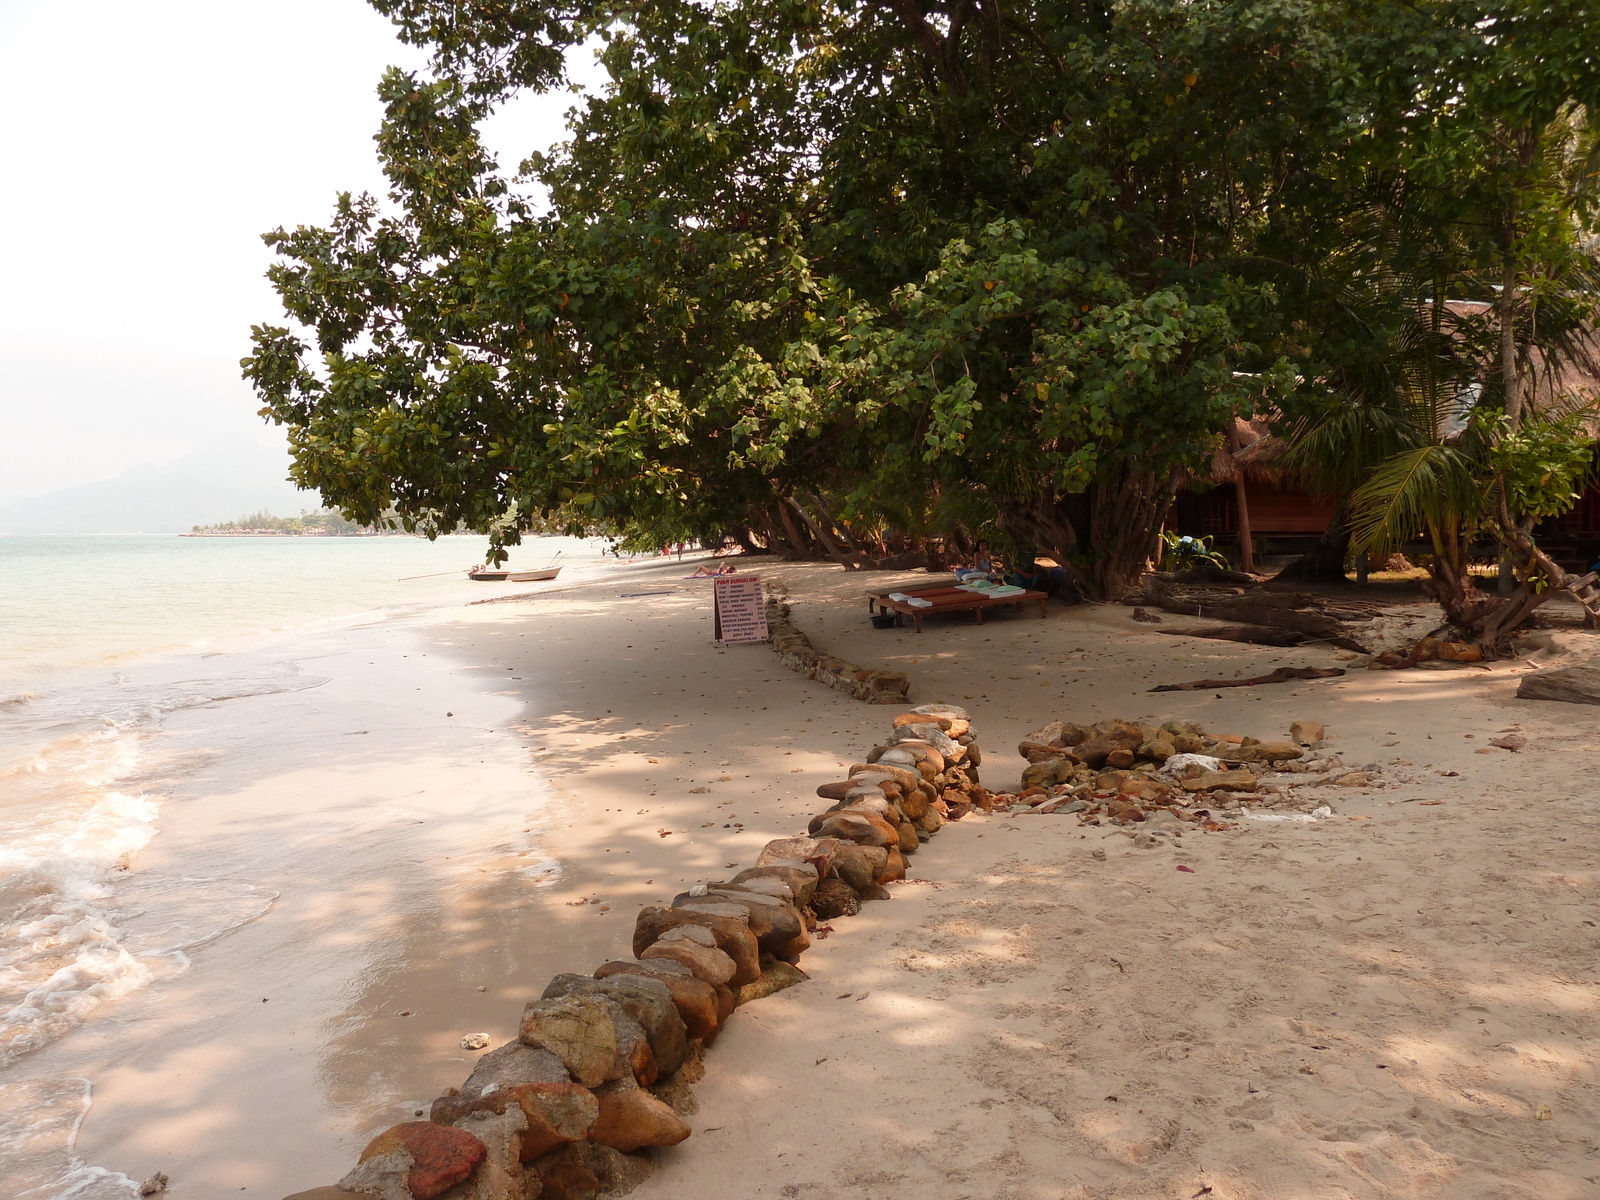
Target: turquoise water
{"points": [[69, 602], [84, 692]]}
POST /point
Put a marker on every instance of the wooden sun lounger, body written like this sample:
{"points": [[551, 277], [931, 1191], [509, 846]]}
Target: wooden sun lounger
{"points": [[949, 600]]}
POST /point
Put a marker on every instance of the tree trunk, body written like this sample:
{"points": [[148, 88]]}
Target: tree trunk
{"points": [[799, 550], [822, 536], [1324, 562], [1105, 536], [1241, 503]]}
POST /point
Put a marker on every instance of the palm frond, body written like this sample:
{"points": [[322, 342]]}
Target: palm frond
{"points": [[1433, 483]]}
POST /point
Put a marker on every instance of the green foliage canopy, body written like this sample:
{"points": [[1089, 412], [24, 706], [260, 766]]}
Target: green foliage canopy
{"points": [[881, 247]]}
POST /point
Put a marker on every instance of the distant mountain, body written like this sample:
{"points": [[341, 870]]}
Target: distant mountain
{"points": [[215, 483]]}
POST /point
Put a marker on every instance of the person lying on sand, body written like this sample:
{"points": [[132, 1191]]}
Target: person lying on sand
{"points": [[704, 571]]}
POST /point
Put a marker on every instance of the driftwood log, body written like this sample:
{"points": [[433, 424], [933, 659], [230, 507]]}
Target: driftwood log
{"points": [[1319, 617], [1281, 675], [1252, 635]]}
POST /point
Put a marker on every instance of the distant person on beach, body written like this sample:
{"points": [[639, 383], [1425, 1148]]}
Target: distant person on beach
{"points": [[706, 571]]}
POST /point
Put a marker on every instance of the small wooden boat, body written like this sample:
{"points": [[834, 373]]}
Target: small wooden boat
{"points": [[486, 575]]}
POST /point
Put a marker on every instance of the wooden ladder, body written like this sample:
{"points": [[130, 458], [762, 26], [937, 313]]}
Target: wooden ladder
{"points": [[1586, 589]]}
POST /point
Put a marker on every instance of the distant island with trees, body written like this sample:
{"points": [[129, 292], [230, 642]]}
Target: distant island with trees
{"points": [[307, 524]]}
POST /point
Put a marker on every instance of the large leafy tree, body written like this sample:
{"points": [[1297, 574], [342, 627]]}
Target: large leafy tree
{"points": [[876, 250]]}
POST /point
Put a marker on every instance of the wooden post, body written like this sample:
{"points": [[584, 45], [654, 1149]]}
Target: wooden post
{"points": [[1247, 550]]}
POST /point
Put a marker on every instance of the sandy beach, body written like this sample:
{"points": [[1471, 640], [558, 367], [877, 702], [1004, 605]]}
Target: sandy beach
{"points": [[1378, 1004]]}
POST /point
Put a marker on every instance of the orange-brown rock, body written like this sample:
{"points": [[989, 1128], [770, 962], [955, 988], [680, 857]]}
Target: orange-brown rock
{"points": [[906, 777], [700, 955], [592, 1035], [441, 1155], [894, 867], [696, 999], [632, 1117], [732, 935], [816, 851], [859, 866], [862, 828], [775, 978], [801, 881], [835, 898], [1461, 652], [568, 1181], [647, 1001], [1220, 781]]}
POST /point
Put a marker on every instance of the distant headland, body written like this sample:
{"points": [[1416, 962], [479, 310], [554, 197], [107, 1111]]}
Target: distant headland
{"points": [[307, 524]]}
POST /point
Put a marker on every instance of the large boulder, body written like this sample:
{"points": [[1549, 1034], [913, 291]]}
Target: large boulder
{"points": [[1570, 685], [648, 1001], [777, 924], [816, 851], [1046, 772], [513, 1064], [914, 803], [835, 898], [695, 999], [731, 932], [798, 880], [926, 753], [692, 946], [540, 1117], [859, 866], [906, 777], [423, 1158], [593, 1036], [630, 1117], [862, 828], [1105, 739]]}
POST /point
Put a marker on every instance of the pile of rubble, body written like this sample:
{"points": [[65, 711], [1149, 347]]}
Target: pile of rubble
{"points": [[1172, 774], [602, 1068]]}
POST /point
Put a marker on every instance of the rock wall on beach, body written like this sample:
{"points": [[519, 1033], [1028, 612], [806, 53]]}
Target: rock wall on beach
{"points": [[602, 1070], [797, 653]]}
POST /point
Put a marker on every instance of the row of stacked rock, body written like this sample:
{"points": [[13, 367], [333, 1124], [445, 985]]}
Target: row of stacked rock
{"points": [[795, 651], [601, 1069]]}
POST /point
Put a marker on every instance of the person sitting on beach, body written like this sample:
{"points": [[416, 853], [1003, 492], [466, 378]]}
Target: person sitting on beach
{"points": [[983, 565]]}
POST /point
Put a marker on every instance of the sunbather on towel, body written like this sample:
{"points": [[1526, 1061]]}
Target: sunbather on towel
{"points": [[705, 571]]}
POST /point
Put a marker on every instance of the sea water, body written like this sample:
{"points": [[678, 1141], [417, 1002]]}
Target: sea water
{"points": [[81, 765]]}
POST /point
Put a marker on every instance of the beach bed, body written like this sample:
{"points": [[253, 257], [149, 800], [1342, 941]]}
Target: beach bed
{"points": [[947, 599]]}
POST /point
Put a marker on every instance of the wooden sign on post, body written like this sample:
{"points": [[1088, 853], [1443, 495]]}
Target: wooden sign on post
{"points": [[738, 614]]}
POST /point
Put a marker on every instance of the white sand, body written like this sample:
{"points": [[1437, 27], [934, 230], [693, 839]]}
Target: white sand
{"points": [[993, 1010]]}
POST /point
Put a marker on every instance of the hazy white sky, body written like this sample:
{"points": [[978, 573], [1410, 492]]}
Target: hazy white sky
{"points": [[147, 146]]}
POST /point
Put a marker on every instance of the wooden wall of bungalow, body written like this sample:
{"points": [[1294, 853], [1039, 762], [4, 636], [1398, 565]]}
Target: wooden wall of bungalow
{"points": [[1285, 519]]}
